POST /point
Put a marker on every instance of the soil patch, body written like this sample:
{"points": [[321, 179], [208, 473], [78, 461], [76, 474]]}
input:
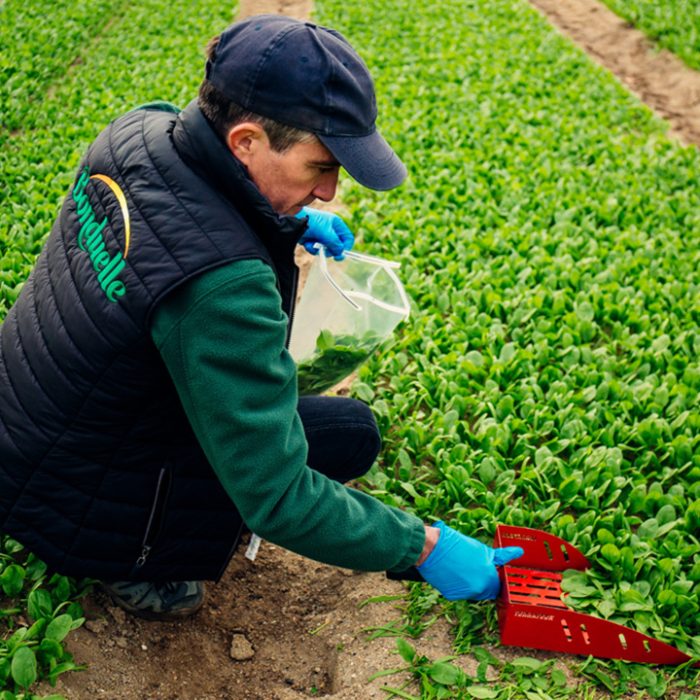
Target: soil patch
{"points": [[279, 628], [298, 9]]}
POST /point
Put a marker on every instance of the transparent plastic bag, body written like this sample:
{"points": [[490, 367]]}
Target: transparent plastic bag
{"points": [[347, 309]]}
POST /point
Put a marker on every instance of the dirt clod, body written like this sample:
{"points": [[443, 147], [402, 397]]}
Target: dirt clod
{"points": [[118, 615], [96, 626], [241, 648]]}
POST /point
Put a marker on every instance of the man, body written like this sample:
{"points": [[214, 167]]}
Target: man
{"points": [[149, 405]]}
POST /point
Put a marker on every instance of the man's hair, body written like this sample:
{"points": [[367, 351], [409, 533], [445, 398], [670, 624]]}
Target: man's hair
{"points": [[224, 114]]}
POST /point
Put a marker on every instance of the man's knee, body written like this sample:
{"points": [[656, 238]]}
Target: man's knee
{"points": [[369, 440], [344, 439]]}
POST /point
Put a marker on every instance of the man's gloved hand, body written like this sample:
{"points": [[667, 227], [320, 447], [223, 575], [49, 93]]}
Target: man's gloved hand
{"points": [[329, 230], [463, 568]]}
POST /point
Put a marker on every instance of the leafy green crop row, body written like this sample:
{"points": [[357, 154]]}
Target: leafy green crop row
{"points": [[39, 43], [675, 24], [38, 611], [549, 236], [518, 677], [154, 50], [50, 111]]}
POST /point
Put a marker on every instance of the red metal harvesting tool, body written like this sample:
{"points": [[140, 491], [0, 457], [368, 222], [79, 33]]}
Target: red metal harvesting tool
{"points": [[532, 613]]}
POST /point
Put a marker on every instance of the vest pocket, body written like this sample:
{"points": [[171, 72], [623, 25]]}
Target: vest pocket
{"points": [[156, 515]]}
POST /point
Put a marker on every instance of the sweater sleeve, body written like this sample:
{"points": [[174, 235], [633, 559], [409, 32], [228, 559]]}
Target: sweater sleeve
{"points": [[222, 338]]}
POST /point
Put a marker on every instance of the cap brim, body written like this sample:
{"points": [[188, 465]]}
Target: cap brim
{"points": [[368, 159]]}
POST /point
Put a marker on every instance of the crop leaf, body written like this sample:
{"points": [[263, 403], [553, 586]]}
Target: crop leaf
{"points": [[24, 667]]}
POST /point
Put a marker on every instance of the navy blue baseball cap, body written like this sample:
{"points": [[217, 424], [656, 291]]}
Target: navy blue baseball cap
{"points": [[309, 77]]}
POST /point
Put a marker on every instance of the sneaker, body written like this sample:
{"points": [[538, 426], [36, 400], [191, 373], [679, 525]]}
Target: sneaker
{"points": [[157, 601]]}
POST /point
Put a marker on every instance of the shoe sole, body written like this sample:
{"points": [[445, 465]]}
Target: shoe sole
{"points": [[173, 615]]}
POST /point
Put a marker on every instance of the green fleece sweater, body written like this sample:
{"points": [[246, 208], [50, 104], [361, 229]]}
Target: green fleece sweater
{"points": [[222, 337]]}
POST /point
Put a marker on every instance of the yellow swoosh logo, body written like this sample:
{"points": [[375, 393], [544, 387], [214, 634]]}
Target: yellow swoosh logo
{"points": [[122, 205]]}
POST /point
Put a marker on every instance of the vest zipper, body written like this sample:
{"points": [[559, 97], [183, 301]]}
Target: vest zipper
{"points": [[155, 517], [145, 551]]}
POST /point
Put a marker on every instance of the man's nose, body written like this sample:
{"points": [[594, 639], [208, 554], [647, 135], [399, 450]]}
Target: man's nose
{"points": [[326, 187]]}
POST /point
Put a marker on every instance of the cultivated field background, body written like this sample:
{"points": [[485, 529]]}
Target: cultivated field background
{"points": [[549, 375]]}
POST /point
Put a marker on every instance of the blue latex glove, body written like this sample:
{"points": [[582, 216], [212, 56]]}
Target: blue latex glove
{"points": [[463, 568], [329, 230]]}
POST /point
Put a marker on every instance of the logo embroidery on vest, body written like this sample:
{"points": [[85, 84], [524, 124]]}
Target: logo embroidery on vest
{"points": [[91, 240]]}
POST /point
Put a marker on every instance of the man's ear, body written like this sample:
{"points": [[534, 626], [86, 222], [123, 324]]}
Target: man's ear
{"points": [[245, 140]]}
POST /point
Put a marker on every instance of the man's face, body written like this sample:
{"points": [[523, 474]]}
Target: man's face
{"points": [[293, 179]]}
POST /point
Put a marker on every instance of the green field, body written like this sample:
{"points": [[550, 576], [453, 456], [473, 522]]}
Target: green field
{"points": [[549, 376], [674, 24], [130, 60], [65, 75]]}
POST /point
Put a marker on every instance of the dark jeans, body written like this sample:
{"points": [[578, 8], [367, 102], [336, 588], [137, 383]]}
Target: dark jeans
{"points": [[342, 434]]}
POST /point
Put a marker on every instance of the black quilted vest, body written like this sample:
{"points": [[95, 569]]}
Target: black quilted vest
{"points": [[100, 472]]}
